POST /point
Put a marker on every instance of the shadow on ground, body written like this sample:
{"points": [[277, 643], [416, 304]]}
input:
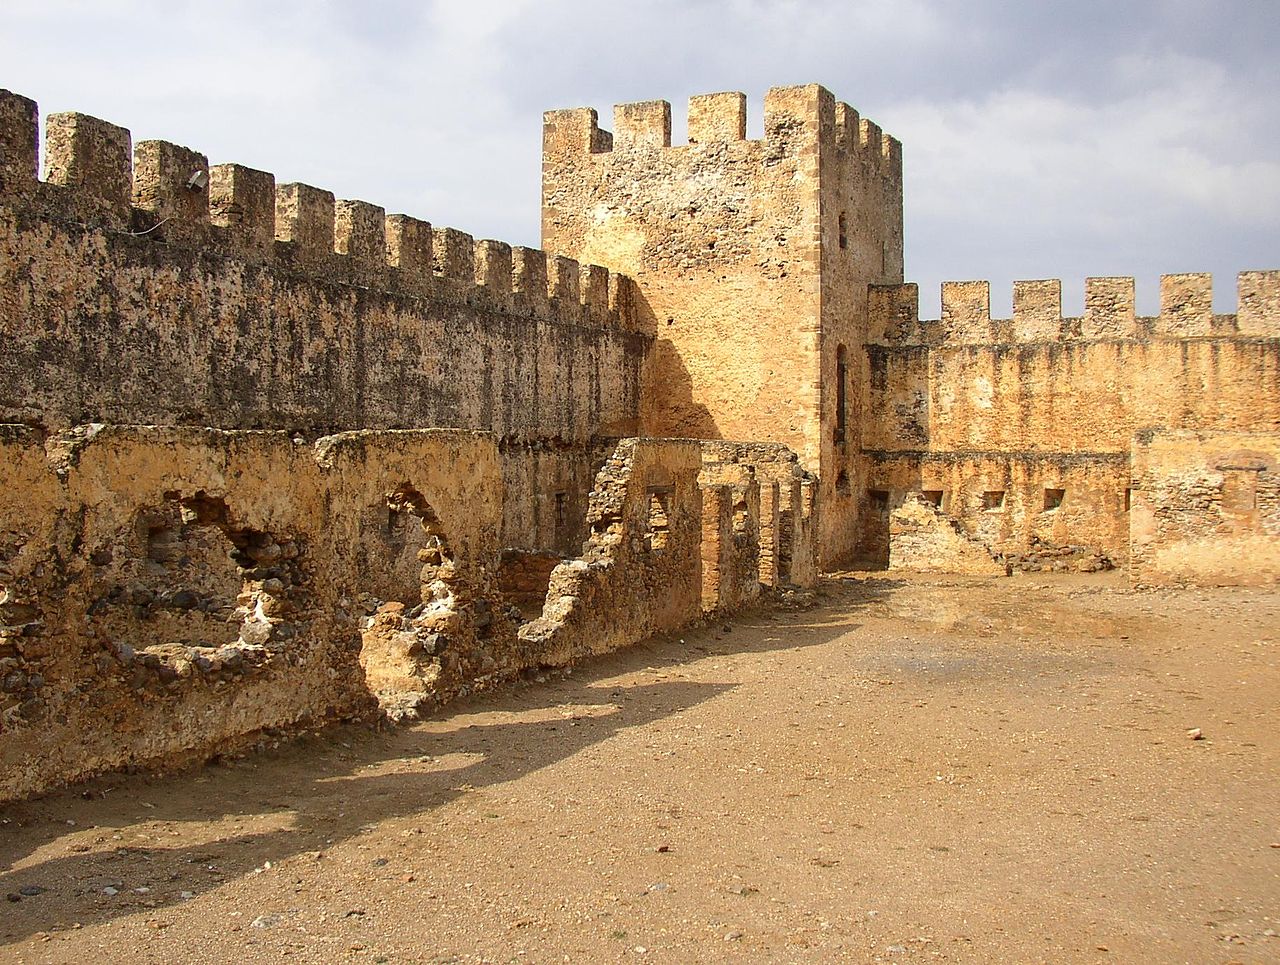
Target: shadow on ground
{"points": [[331, 786]]}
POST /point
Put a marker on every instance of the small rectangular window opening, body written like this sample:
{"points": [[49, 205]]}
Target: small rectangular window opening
{"points": [[1053, 499], [879, 499], [993, 500], [844, 230], [562, 509], [932, 496], [1128, 499]]}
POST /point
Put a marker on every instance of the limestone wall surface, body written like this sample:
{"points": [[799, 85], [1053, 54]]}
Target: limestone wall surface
{"points": [[641, 570], [165, 592], [1042, 403], [1206, 508], [139, 284], [171, 592]]}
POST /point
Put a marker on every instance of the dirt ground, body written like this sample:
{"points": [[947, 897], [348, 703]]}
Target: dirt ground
{"points": [[955, 770]]}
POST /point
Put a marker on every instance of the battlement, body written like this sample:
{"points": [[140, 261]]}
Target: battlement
{"points": [[1186, 311], [795, 120], [167, 194]]}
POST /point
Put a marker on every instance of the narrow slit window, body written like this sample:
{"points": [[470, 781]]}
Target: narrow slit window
{"points": [[1128, 499], [844, 230], [842, 375], [562, 509]]}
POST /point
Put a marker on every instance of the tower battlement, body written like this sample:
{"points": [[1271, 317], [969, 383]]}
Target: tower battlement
{"points": [[796, 119]]}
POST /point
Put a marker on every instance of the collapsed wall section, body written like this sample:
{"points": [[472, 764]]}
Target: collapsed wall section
{"points": [[1020, 428], [139, 284], [169, 592], [1206, 508]]}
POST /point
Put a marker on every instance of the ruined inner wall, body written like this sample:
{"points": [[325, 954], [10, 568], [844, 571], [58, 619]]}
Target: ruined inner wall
{"points": [[1022, 426], [141, 285], [1206, 508], [735, 246]]}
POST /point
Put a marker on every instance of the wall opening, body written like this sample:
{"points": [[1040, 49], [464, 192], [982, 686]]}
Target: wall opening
{"points": [[658, 529], [842, 482], [932, 496], [878, 499], [1128, 498], [1053, 499], [741, 517], [844, 230], [842, 372], [993, 500], [418, 551]]}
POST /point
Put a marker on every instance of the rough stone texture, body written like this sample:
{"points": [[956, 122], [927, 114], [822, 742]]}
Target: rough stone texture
{"points": [[923, 539], [165, 592], [1206, 508], [1091, 514], [640, 571], [730, 535], [1041, 403], [751, 259], [206, 319]]}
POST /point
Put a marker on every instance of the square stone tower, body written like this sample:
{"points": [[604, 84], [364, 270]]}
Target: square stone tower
{"points": [[752, 260]]}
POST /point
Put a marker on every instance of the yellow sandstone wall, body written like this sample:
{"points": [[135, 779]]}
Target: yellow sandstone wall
{"points": [[967, 405], [735, 247], [1206, 508]]}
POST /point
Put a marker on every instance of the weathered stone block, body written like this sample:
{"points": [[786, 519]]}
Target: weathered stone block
{"points": [[305, 216], [360, 232], [243, 201], [717, 117], [93, 159], [172, 182], [19, 143]]}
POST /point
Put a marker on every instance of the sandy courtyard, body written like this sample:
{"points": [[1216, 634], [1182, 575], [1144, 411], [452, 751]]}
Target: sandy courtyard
{"points": [[930, 770]]}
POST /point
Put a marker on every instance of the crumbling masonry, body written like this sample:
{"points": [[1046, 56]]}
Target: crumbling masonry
{"points": [[271, 458]]}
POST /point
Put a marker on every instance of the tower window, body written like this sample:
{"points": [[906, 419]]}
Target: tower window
{"points": [[932, 496], [844, 230], [1053, 499], [993, 500]]}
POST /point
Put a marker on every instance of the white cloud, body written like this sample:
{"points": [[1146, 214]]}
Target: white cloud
{"points": [[1051, 151]]}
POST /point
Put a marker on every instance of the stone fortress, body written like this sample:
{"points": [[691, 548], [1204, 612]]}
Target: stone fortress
{"points": [[272, 459]]}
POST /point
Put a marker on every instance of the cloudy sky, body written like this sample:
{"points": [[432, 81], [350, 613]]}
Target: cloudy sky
{"points": [[1040, 139]]}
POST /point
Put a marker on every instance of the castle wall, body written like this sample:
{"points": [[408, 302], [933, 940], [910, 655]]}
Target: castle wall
{"points": [[131, 293], [861, 231], [752, 259], [721, 237], [967, 404], [1206, 508]]}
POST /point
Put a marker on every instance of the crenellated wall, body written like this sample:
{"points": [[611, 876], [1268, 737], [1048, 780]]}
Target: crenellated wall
{"points": [[1043, 402], [142, 285]]}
